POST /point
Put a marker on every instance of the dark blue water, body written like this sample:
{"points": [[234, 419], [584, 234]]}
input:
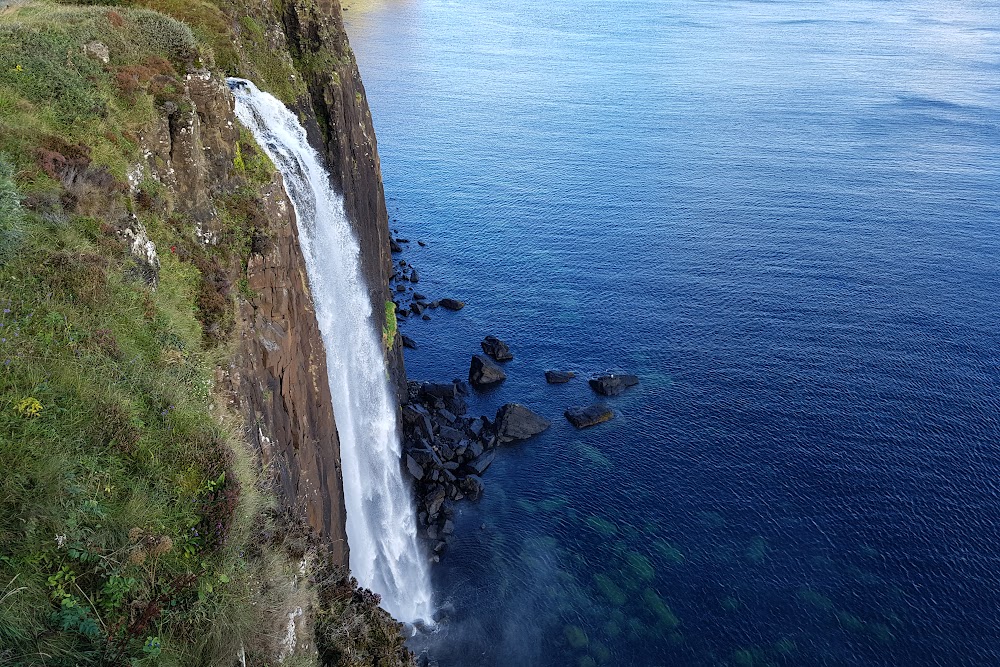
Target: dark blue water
{"points": [[785, 218]]}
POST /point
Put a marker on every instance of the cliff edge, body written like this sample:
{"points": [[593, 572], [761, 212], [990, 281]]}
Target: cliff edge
{"points": [[163, 377]]}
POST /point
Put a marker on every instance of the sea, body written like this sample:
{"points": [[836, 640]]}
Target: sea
{"points": [[784, 217]]}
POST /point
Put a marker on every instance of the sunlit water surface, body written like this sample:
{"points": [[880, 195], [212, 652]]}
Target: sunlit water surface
{"points": [[784, 217]]}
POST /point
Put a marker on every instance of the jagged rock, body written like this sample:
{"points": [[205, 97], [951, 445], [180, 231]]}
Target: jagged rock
{"points": [[408, 342], [447, 416], [450, 434], [438, 389], [613, 384], [456, 405], [421, 244], [518, 422], [395, 247], [591, 415], [475, 448], [447, 453], [400, 288], [414, 278], [496, 348], [481, 463], [448, 528], [450, 304], [402, 240], [417, 308], [484, 373], [472, 486], [415, 469], [434, 500], [559, 377], [425, 318], [417, 296], [426, 458]]}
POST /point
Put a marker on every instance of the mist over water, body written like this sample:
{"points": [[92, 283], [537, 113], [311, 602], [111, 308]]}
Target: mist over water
{"points": [[381, 525], [784, 216]]}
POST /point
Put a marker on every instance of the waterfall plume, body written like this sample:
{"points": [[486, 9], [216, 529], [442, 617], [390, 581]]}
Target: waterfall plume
{"points": [[381, 525]]}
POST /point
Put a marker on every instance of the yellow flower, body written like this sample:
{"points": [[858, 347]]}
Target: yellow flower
{"points": [[28, 407], [18, 68]]}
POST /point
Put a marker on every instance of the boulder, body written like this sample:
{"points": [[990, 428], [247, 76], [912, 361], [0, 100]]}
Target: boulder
{"points": [[414, 278], [559, 377], [484, 373], [472, 486], [481, 463], [395, 247], [417, 308], [451, 304], [518, 422], [434, 500], [414, 468], [409, 342], [421, 244], [496, 348], [450, 434], [417, 296], [97, 51], [613, 384], [591, 415], [438, 389], [475, 448]]}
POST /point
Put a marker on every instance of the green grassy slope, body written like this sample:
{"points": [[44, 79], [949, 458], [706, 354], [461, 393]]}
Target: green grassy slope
{"points": [[127, 506]]}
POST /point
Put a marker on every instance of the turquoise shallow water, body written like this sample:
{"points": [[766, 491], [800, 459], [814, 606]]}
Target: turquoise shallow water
{"points": [[784, 217]]}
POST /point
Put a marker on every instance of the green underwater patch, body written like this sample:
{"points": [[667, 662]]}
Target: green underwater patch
{"points": [[602, 526]]}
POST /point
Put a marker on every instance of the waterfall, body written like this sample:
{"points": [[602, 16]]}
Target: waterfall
{"points": [[381, 524]]}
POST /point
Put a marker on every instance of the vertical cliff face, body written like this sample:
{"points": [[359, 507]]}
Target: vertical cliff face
{"points": [[279, 373], [277, 377], [280, 381]]}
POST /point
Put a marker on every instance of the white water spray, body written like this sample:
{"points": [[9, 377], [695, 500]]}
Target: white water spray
{"points": [[381, 525]]}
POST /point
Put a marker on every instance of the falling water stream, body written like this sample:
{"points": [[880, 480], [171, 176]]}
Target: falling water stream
{"points": [[381, 526]]}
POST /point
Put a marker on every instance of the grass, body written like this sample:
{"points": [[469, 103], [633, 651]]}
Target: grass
{"points": [[133, 526], [129, 508]]}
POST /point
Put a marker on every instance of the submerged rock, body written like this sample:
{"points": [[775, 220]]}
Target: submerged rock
{"points": [[484, 373], [409, 342], [613, 384], [559, 377], [591, 415], [496, 348], [518, 422], [451, 304]]}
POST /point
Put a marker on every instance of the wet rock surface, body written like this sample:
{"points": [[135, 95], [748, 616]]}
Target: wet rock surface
{"points": [[496, 348], [559, 377], [591, 415], [484, 373], [613, 384], [451, 304], [446, 452], [518, 422]]}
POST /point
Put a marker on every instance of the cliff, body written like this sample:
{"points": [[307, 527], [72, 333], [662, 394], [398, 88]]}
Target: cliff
{"points": [[163, 373]]}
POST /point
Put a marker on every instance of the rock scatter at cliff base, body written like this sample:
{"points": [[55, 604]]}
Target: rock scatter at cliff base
{"points": [[447, 453]]}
